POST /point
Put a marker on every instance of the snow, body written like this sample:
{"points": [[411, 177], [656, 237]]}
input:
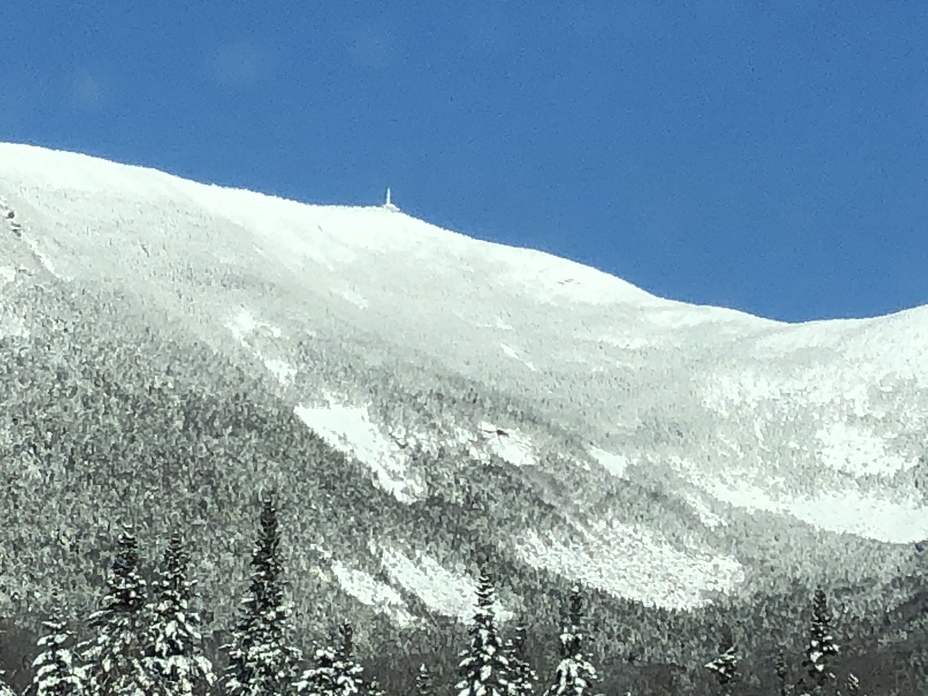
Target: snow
{"points": [[897, 519], [444, 592], [705, 514], [510, 445], [651, 570], [368, 590], [281, 370], [350, 430], [428, 291], [242, 325], [615, 464], [855, 451], [514, 354], [355, 298]]}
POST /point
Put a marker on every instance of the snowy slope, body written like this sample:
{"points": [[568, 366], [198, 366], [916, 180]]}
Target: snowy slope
{"points": [[812, 423]]}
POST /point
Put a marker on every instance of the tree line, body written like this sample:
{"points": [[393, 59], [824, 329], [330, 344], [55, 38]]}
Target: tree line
{"points": [[146, 641]]}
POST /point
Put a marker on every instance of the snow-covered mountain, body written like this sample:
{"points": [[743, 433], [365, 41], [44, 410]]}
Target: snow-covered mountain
{"points": [[423, 399]]}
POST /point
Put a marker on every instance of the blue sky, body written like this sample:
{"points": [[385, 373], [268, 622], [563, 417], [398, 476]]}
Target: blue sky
{"points": [[768, 156]]}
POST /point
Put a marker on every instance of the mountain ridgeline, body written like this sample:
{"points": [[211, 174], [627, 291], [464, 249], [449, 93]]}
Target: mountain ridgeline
{"points": [[426, 406]]}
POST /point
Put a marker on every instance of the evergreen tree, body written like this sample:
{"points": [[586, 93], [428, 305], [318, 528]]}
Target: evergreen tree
{"points": [[484, 669], [5, 689], [725, 666], [821, 647], [522, 676], [424, 683], [114, 655], [782, 672], [260, 663], [574, 674], [55, 669], [175, 650], [318, 680], [852, 685], [336, 673]]}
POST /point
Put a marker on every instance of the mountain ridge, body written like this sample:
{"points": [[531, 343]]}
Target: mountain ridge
{"points": [[178, 346]]}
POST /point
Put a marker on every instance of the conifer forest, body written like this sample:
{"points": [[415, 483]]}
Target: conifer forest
{"points": [[145, 638]]}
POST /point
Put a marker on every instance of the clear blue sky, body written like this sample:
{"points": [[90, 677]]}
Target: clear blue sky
{"points": [[768, 156]]}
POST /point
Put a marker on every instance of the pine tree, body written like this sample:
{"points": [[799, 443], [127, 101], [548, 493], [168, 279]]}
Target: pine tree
{"points": [[260, 664], [113, 656], [5, 689], [574, 674], [175, 647], [821, 647], [424, 683], [781, 672], [484, 669], [336, 673], [55, 669], [725, 666], [522, 676], [318, 680]]}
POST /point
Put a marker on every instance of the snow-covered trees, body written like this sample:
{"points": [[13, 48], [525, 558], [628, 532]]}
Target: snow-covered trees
{"points": [[336, 673], [55, 670], [174, 655], [5, 689], [484, 669], [574, 674], [725, 666], [821, 647], [522, 677], [260, 663], [780, 668], [424, 684], [114, 654]]}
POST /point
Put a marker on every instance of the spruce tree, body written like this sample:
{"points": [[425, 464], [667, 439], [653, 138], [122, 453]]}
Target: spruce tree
{"points": [[574, 673], [260, 663], [318, 680], [725, 666], [781, 672], [5, 689], [522, 676], [114, 655], [424, 683], [821, 647], [55, 669], [484, 669], [175, 647], [336, 673]]}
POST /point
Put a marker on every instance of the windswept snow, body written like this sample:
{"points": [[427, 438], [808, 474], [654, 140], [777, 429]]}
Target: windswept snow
{"points": [[858, 452], [514, 354], [444, 592], [7, 275], [368, 590], [898, 521], [242, 325], [510, 445], [350, 430], [651, 570], [355, 298], [281, 370], [883, 516], [615, 464]]}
